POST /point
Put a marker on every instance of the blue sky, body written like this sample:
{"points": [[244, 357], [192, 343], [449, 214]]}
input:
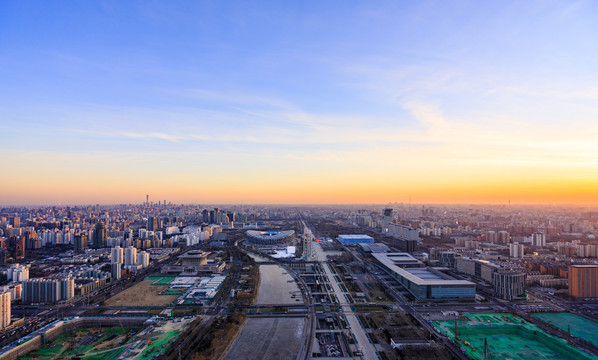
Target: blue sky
{"points": [[301, 92]]}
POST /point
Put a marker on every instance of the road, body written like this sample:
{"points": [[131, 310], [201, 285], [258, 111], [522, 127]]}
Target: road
{"points": [[363, 342]]}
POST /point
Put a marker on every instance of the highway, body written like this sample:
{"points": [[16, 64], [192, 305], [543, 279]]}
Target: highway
{"points": [[363, 343]]}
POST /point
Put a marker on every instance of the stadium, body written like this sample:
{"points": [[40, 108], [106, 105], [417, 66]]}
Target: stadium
{"points": [[272, 238]]}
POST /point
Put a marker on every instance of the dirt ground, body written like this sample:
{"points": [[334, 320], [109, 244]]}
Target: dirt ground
{"points": [[142, 294]]}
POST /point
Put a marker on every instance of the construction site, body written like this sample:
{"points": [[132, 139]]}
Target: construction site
{"points": [[169, 290], [149, 292], [100, 338], [86, 343], [576, 325], [505, 336]]}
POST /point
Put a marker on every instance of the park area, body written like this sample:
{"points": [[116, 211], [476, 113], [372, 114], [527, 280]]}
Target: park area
{"points": [[507, 337], [152, 291]]}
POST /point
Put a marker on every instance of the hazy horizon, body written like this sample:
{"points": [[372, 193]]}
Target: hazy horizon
{"points": [[391, 204]]}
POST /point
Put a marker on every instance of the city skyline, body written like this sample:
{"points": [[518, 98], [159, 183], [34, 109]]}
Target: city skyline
{"points": [[299, 103]]}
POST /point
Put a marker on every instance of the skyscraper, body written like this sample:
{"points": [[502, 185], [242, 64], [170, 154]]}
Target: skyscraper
{"points": [[153, 223], [386, 219], [100, 236], [4, 309], [80, 243], [16, 246], [15, 221], [130, 256], [117, 255], [3, 255], [116, 270]]}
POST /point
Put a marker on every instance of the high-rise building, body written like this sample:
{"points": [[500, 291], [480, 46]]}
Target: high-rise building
{"points": [[16, 246], [32, 241], [130, 256], [538, 239], [48, 291], [116, 270], [504, 237], [116, 255], [17, 273], [3, 256], [100, 236], [583, 281], [386, 219], [491, 236], [516, 250], [80, 243], [143, 258], [15, 221], [4, 309], [153, 223]]}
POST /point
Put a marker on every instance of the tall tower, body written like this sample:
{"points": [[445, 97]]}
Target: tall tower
{"points": [[100, 236], [4, 309], [386, 219], [146, 199], [80, 242]]}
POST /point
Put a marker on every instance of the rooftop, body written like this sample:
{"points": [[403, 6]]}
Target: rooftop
{"points": [[418, 276]]}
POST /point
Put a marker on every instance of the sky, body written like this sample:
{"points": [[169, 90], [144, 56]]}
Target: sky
{"points": [[298, 102]]}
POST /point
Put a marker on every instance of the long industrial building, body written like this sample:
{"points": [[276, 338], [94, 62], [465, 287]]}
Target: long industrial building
{"points": [[424, 283]]}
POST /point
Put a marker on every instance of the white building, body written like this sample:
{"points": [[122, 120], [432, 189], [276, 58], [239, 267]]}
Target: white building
{"points": [[117, 255], [516, 250], [130, 256], [143, 259], [538, 239], [17, 273]]}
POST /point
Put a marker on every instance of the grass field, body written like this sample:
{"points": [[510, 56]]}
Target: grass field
{"points": [[142, 294]]}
